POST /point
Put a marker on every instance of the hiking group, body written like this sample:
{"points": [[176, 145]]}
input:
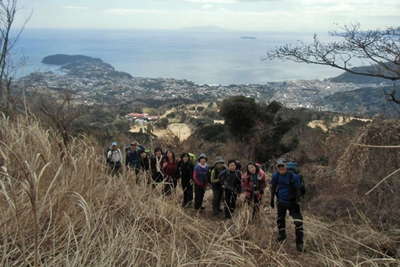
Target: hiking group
{"points": [[226, 179]]}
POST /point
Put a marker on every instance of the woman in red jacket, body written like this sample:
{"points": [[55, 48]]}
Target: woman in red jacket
{"points": [[170, 170], [254, 182]]}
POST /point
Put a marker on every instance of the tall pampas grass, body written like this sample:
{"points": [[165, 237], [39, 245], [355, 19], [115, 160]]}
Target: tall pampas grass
{"points": [[59, 207]]}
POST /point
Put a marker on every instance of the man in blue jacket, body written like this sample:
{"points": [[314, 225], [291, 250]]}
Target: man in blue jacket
{"points": [[285, 186], [132, 159]]}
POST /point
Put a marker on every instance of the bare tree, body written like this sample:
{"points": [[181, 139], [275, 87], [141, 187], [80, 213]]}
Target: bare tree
{"points": [[8, 39], [378, 48], [61, 114]]}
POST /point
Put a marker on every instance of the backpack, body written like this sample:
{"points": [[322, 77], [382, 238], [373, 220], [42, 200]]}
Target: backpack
{"points": [[293, 167], [193, 158], [216, 172], [302, 189], [295, 193], [108, 149]]}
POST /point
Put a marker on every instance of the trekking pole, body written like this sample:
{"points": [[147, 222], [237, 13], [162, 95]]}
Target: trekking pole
{"points": [[149, 158], [255, 186], [254, 200]]}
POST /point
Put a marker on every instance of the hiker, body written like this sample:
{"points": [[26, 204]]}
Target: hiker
{"points": [[238, 165], [144, 164], [285, 186], [217, 185], [254, 182], [170, 171], [156, 165], [231, 183], [200, 178], [132, 160], [185, 168], [114, 159]]}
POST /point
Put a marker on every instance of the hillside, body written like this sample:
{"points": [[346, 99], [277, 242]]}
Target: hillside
{"points": [[365, 101], [59, 207], [348, 77]]}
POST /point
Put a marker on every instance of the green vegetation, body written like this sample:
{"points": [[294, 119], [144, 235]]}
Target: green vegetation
{"points": [[240, 114], [62, 59], [259, 127]]}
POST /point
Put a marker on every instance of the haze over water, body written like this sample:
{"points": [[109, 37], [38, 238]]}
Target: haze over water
{"points": [[218, 57]]}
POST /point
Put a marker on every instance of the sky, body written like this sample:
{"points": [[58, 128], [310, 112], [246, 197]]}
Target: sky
{"points": [[242, 15]]}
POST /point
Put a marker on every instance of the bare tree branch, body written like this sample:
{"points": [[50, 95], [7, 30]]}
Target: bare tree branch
{"points": [[380, 48], [61, 115], [8, 12]]}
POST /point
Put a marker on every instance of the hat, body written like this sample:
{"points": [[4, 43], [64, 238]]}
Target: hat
{"points": [[203, 156], [114, 144], [134, 143], [219, 160], [281, 162]]}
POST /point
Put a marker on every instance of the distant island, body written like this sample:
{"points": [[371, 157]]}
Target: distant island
{"points": [[62, 59], [85, 66], [248, 38]]}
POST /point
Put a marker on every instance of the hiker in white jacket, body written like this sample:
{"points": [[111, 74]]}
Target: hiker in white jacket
{"points": [[114, 159]]}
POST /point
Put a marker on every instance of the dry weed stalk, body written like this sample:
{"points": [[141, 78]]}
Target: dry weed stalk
{"points": [[66, 211]]}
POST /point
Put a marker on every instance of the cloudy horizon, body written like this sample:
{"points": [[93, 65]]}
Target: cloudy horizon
{"points": [[246, 15]]}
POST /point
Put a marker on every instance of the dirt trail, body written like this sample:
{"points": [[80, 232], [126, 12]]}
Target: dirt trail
{"points": [[338, 121], [180, 130]]}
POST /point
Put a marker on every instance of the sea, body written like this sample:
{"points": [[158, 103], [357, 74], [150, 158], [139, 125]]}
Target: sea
{"points": [[204, 57]]}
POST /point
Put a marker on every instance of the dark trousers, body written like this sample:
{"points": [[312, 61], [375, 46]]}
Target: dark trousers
{"points": [[187, 188], [157, 177], [218, 192], [115, 168], [170, 185], [295, 213], [230, 203], [254, 201], [198, 196]]}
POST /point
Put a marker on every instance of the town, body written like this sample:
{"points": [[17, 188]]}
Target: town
{"points": [[94, 81]]}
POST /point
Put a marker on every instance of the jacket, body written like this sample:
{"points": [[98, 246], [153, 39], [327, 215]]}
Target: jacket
{"points": [[185, 171], [252, 183], [170, 169], [153, 163], [114, 156], [200, 175], [231, 180], [215, 175], [132, 159], [144, 164], [284, 187]]}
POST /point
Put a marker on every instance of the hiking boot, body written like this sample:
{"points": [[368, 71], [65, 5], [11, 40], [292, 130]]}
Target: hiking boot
{"points": [[187, 205], [281, 237], [300, 247]]}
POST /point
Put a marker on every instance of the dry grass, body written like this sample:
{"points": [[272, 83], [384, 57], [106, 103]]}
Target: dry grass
{"points": [[59, 208]]}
